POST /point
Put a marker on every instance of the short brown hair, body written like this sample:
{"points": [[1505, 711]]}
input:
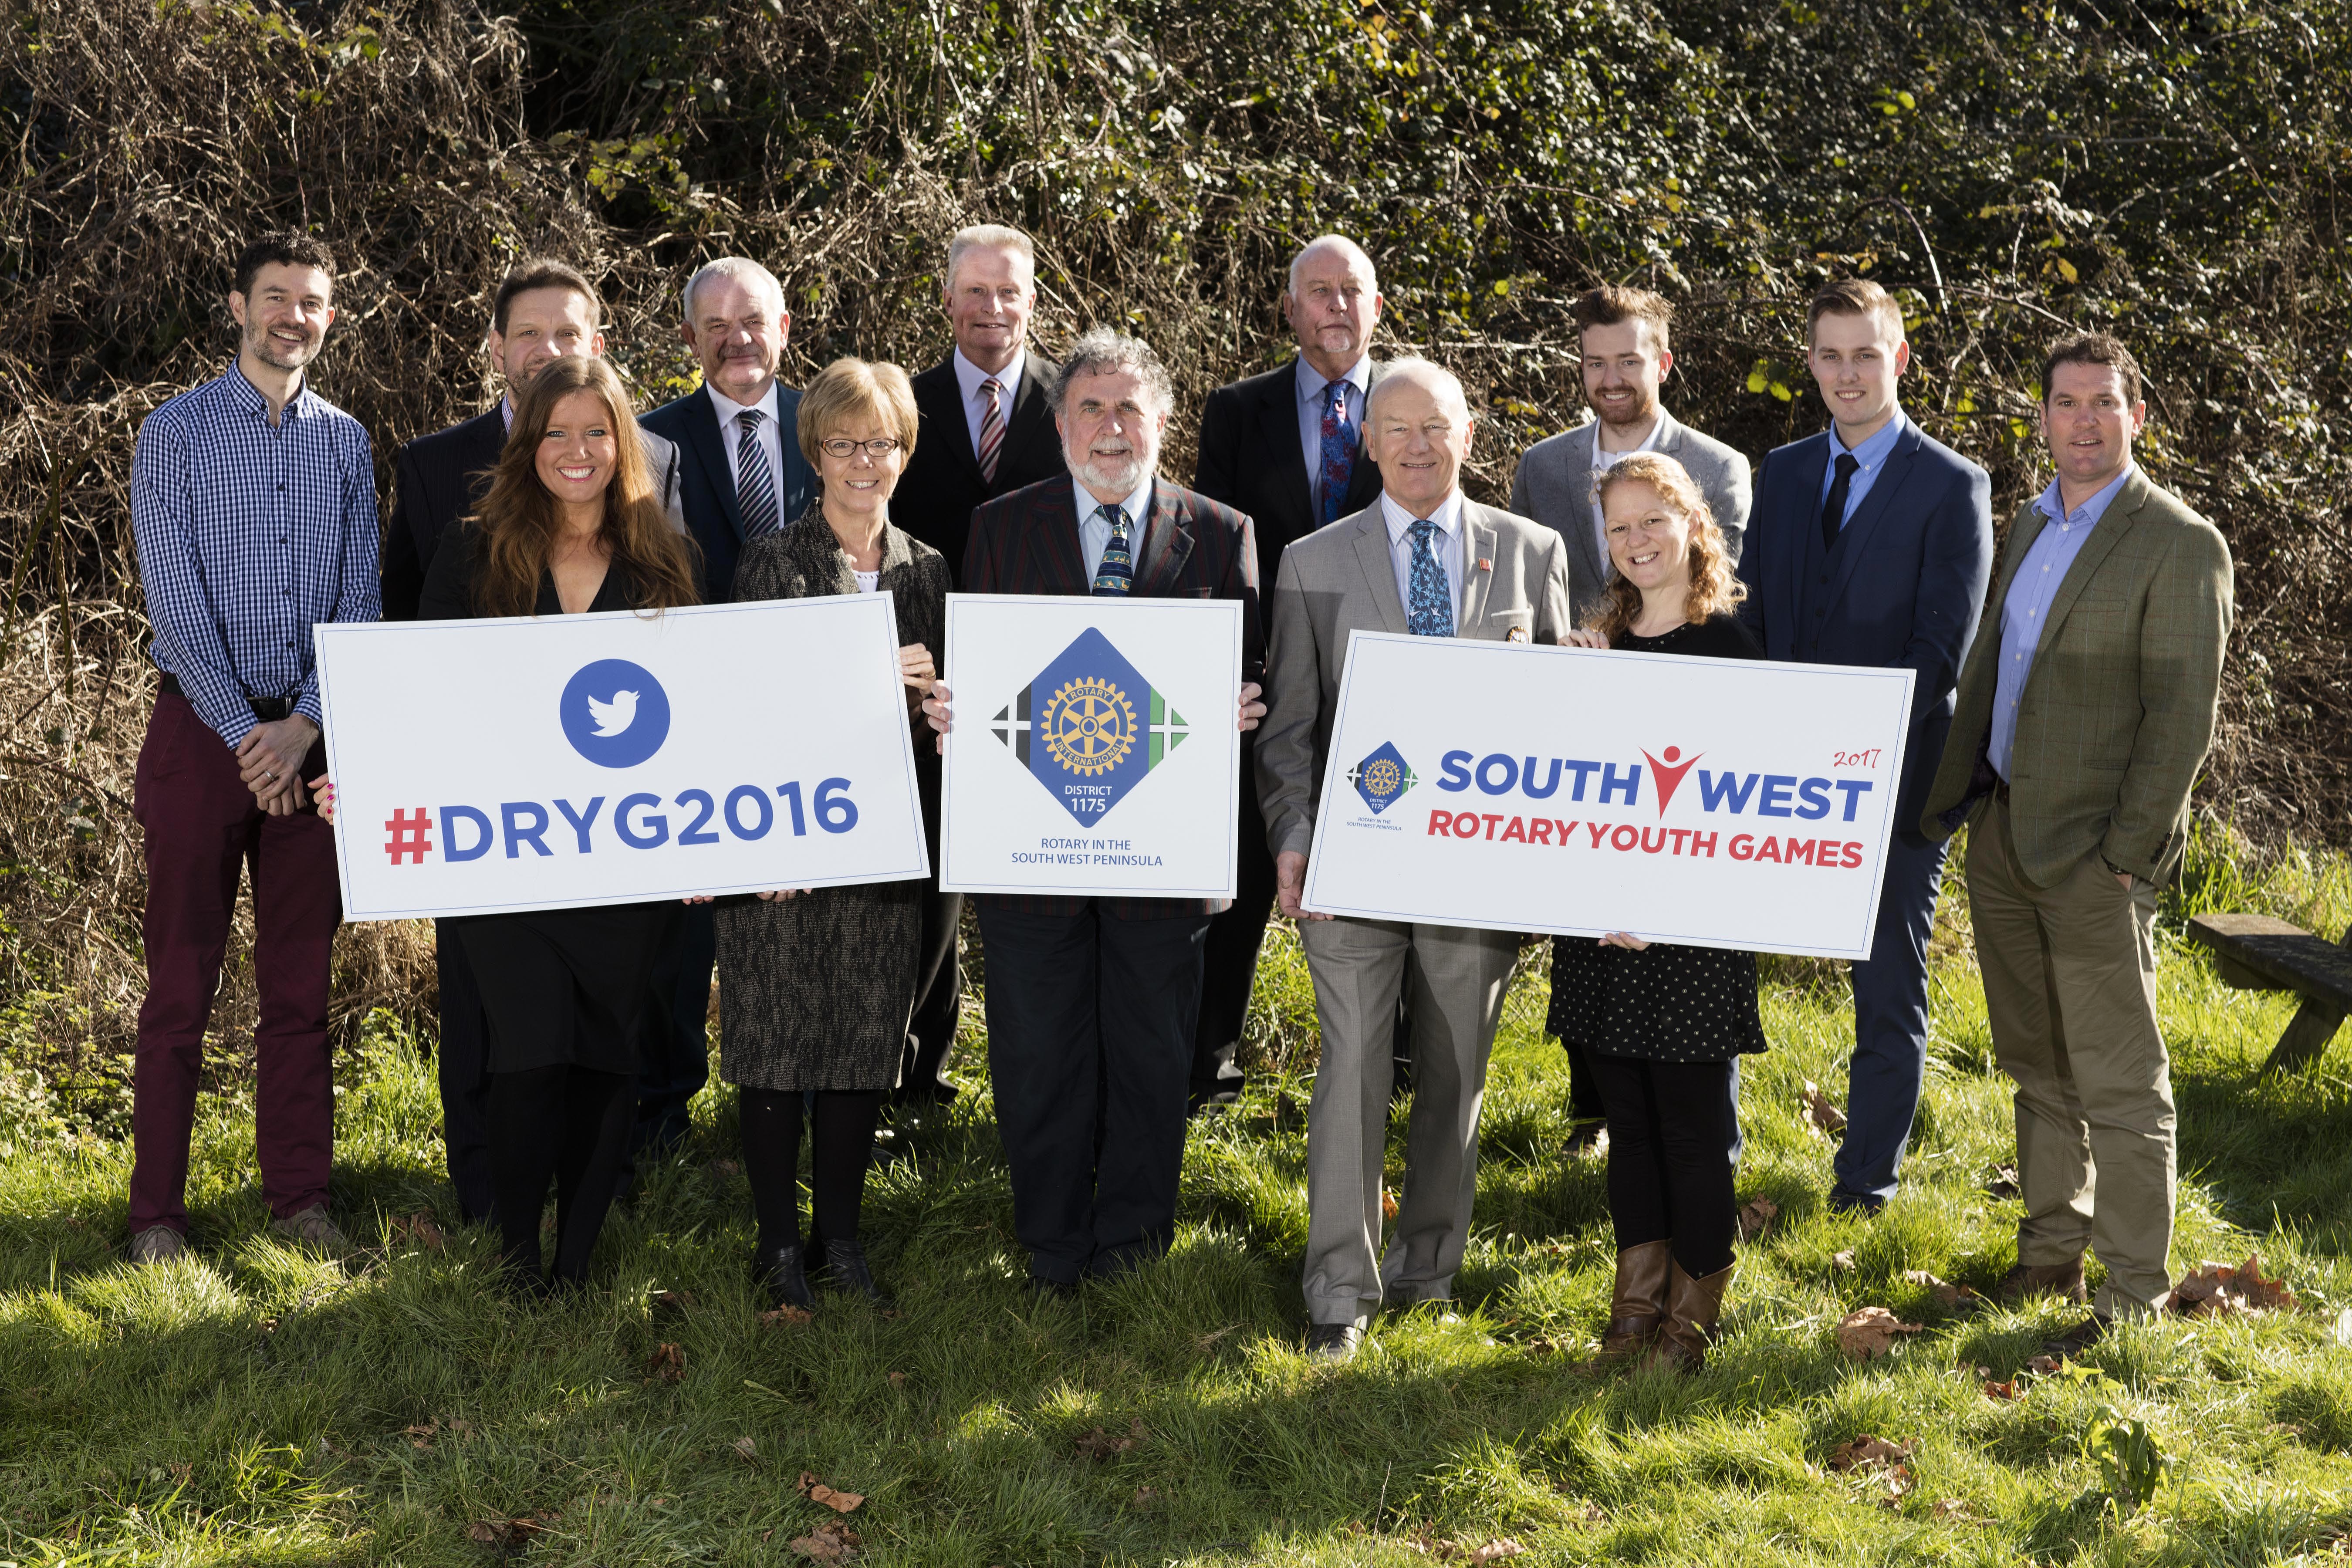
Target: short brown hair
{"points": [[285, 247], [543, 272], [1609, 304], [2092, 348], [848, 389], [1714, 588], [1854, 297]]}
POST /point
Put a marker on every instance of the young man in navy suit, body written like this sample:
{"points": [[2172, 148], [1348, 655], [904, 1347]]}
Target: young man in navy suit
{"points": [[741, 475], [1872, 544]]}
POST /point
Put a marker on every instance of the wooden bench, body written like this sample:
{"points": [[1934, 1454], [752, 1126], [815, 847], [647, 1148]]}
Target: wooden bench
{"points": [[2255, 952]]}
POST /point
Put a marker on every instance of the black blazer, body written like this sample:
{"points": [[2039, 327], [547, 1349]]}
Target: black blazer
{"points": [[707, 481], [942, 486], [1252, 461], [440, 478]]}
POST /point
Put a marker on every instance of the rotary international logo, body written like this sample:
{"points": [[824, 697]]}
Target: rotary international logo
{"points": [[1383, 777], [1088, 727]]}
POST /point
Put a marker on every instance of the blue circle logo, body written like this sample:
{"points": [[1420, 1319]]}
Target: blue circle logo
{"points": [[616, 713]]}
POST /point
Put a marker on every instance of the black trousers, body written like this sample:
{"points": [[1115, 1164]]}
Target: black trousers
{"points": [[1090, 1029], [939, 1000], [460, 1063], [674, 1060], [1229, 966], [1671, 1157]]}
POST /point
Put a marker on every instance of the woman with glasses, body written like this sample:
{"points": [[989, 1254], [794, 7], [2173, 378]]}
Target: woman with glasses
{"points": [[815, 987]]}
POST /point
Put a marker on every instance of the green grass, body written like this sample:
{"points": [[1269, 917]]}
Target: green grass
{"points": [[255, 1406]]}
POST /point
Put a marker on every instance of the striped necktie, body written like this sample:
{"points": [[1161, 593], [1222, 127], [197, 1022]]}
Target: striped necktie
{"points": [[1117, 573], [755, 481], [1432, 612], [992, 429]]}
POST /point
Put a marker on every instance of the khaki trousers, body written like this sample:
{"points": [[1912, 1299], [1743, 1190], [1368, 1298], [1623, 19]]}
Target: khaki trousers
{"points": [[2070, 989], [1457, 976]]}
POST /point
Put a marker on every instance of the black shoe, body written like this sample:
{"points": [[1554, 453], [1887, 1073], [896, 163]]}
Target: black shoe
{"points": [[2078, 1339], [1852, 1204], [786, 1277], [1333, 1342], [1042, 1289], [1583, 1137], [842, 1267]]}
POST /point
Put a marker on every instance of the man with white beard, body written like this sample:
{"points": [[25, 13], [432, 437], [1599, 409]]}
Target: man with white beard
{"points": [[1092, 1001]]}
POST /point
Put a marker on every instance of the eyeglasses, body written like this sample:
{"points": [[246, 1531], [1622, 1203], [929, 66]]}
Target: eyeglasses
{"points": [[841, 447]]}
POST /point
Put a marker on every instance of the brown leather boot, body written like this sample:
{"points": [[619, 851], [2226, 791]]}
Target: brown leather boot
{"points": [[1692, 1307], [1638, 1305], [2063, 1280]]}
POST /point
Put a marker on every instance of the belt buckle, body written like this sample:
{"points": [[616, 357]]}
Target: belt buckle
{"points": [[270, 710]]}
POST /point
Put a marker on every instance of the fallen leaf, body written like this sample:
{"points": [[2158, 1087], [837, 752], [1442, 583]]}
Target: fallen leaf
{"points": [[1099, 1445], [1843, 1262], [1995, 1389], [420, 1436], [420, 1229], [724, 1168], [1867, 1453], [783, 1315], [672, 1301], [2046, 1366], [667, 1363], [489, 1532], [1146, 1496], [460, 1425], [2002, 1182], [818, 1492], [1540, 1346], [828, 1543], [2216, 1290], [1944, 1291], [1757, 1217], [1388, 1204], [746, 1448], [1950, 1507], [1868, 1332], [898, 1380], [1822, 1111]]}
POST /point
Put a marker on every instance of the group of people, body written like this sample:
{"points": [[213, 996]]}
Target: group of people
{"points": [[2064, 717]]}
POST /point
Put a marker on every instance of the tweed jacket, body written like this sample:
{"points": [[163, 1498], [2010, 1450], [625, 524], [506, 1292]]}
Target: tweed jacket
{"points": [[1193, 548], [1554, 486], [815, 991], [2117, 712], [1342, 577]]}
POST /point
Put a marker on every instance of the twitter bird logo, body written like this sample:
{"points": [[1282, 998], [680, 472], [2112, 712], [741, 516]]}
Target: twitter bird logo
{"points": [[611, 718], [620, 730]]}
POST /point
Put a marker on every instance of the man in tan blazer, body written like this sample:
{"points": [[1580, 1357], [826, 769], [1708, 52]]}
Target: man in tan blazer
{"points": [[2085, 711], [1425, 559]]}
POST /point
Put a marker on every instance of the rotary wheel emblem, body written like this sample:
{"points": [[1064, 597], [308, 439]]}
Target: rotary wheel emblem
{"points": [[1381, 778], [1089, 726]]}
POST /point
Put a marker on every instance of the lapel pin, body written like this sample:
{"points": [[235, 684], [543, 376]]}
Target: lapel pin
{"points": [[1516, 634], [1485, 563]]}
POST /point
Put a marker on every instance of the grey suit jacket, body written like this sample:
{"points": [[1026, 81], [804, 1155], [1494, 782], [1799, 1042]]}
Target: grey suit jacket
{"points": [[1554, 486], [1339, 578]]}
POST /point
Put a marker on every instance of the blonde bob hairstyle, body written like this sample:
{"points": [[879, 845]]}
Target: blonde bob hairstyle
{"points": [[1713, 587], [850, 391]]}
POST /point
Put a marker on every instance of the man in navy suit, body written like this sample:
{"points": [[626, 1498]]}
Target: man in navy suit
{"points": [[544, 310], [741, 475], [1872, 544]]}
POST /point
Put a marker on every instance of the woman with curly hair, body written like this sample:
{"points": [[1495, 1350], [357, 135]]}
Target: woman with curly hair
{"points": [[1662, 1027]]}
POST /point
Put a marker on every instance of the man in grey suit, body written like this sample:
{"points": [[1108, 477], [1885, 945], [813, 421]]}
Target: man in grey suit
{"points": [[1624, 335], [1425, 559]]}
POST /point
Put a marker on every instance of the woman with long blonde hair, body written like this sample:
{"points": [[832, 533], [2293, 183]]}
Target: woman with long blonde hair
{"points": [[1661, 1028]]}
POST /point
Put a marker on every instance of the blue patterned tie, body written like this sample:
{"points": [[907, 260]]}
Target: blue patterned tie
{"points": [[1339, 438], [1117, 573], [755, 482], [1432, 612]]}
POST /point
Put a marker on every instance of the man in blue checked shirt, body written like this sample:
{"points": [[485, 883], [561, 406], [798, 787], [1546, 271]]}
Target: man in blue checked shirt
{"points": [[253, 501]]}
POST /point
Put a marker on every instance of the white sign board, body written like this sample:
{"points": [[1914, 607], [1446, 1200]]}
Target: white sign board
{"points": [[1715, 802], [1094, 751], [488, 766]]}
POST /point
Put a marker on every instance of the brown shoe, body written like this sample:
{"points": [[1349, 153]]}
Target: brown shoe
{"points": [[2063, 1280], [1638, 1305], [158, 1244], [1692, 1307], [311, 1227]]}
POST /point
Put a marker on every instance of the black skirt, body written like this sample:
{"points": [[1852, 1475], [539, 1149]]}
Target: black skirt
{"points": [[566, 987]]}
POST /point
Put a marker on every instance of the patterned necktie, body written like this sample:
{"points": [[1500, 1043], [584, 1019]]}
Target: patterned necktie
{"points": [[1432, 612], [1338, 452], [992, 429], [755, 482], [1117, 573], [1834, 509]]}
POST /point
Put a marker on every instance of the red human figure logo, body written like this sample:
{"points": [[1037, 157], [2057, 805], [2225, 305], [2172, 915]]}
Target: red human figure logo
{"points": [[1669, 774]]}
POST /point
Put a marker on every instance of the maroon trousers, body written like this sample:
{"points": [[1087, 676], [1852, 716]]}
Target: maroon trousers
{"points": [[203, 828]]}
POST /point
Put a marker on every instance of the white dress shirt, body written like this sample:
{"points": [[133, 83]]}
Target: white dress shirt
{"points": [[1447, 546], [1314, 394], [1094, 532], [772, 440], [1601, 463], [975, 403]]}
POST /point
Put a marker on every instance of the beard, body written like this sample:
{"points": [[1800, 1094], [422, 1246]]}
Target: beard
{"points": [[1631, 415], [1122, 475], [270, 352]]}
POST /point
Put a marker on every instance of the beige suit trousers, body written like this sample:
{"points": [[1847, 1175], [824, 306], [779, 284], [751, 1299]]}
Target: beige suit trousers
{"points": [[2070, 989], [1359, 968]]}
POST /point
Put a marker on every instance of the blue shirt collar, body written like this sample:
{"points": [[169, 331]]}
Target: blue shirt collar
{"points": [[248, 397], [1137, 506], [2091, 511], [1873, 450], [1311, 384]]}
